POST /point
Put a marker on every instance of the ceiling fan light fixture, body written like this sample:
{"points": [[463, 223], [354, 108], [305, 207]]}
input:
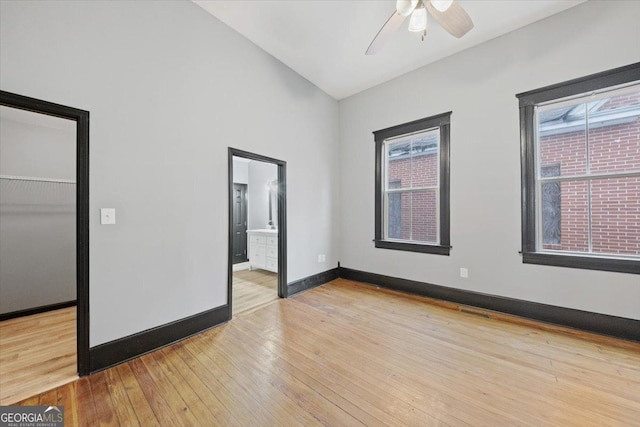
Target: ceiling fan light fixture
{"points": [[441, 5], [449, 15], [405, 7], [418, 21]]}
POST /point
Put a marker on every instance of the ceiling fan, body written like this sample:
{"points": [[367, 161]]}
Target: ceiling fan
{"points": [[449, 14]]}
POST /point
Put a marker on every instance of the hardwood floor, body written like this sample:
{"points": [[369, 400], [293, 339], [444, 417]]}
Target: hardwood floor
{"points": [[37, 353], [253, 289], [350, 354]]}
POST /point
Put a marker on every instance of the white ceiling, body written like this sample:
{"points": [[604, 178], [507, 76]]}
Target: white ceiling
{"points": [[324, 40]]}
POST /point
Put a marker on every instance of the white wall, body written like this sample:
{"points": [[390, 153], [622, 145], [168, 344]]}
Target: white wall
{"points": [[479, 85], [37, 219], [260, 174], [36, 145], [240, 171], [169, 88]]}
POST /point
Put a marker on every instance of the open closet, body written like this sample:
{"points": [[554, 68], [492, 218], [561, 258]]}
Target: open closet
{"points": [[38, 253]]}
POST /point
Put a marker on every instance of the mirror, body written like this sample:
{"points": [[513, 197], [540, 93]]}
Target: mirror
{"points": [[272, 187]]}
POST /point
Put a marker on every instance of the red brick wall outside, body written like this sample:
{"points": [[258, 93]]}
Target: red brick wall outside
{"points": [[615, 203], [418, 210]]}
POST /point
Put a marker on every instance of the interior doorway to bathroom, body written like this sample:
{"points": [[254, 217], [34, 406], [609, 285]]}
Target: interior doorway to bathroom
{"points": [[257, 231]]}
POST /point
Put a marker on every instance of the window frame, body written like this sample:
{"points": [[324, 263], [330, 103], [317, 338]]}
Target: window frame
{"points": [[443, 123], [528, 153]]}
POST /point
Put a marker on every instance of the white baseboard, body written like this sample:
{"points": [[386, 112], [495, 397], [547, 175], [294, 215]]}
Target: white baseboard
{"points": [[240, 266]]}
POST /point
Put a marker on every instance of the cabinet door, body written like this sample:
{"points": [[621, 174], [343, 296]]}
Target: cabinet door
{"points": [[272, 251], [272, 241], [257, 240], [272, 264], [258, 255]]}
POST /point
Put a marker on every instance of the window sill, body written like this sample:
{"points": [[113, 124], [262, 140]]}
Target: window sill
{"points": [[413, 247], [585, 262]]}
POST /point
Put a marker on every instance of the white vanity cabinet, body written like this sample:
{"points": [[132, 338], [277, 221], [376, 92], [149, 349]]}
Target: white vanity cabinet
{"points": [[263, 249]]}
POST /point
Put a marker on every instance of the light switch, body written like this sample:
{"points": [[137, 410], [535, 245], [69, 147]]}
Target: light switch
{"points": [[107, 216]]}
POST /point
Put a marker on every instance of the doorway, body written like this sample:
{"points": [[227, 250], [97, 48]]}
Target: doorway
{"points": [[44, 220], [257, 231]]}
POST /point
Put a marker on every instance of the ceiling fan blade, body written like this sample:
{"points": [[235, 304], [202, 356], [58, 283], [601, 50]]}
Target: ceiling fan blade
{"points": [[385, 33], [455, 19], [405, 7]]}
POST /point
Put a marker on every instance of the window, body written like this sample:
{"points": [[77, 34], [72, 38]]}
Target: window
{"points": [[581, 172], [412, 186]]}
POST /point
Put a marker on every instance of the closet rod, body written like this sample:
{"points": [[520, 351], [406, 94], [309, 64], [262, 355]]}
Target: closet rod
{"points": [[32, 178]]}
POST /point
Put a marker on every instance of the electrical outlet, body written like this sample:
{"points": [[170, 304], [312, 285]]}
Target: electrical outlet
{"points": [[464, 272], [324, 257], [107, 216], [319, 258]]}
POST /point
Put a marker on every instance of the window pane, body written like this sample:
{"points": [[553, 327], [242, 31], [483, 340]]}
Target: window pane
{"points": [[424, 159], [614, 134], [412, 161], [398, 173], [551, 208], [562, 138], [424, 214], [399, 216], [615, 216], [413, 216], [565, 216]]}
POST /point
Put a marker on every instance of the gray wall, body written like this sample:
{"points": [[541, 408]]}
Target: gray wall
{"points": [[37, 220], [260, 174], [240, 171], [37, 145], [169, 88], [479, 86]]}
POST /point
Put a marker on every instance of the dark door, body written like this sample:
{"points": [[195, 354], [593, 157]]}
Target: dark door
{"points": [[239, 223]]}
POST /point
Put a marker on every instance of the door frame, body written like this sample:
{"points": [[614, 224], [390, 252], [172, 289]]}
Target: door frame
{"points": [[246, 216], [81, 117], [282, 222]]}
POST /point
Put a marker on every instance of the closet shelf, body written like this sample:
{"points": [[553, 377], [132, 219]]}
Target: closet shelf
{"points": [[38, 179]]}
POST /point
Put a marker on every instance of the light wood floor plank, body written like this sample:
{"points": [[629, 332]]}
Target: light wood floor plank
{"points": [[206, 391], [350, 354], [376, 401], [138, 401], [66, 398], [121, 403], [158, 401], [364, 383], [37, 353], [181, 410], [283, 396], [512, 376], [216, 365], [85, 407], [105, 412], [313, 375], [576, 367], [253, 289], [222, 386], [193, 403]]}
